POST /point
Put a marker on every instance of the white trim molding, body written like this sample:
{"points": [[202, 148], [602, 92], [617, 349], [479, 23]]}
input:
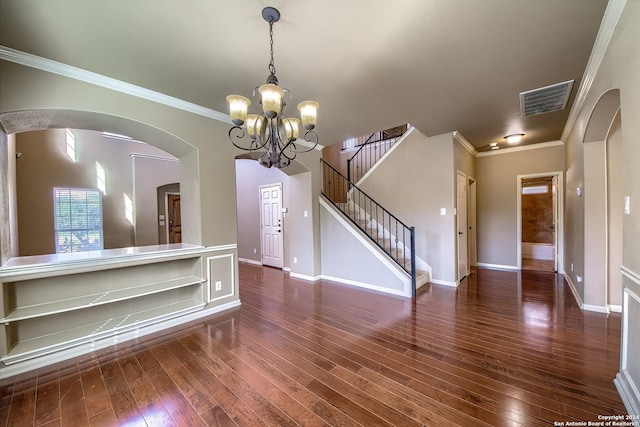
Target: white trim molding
{"points": [[605, 33], [466, 144], [251, 261], [65, 70], [520, 148], [497, 266], [626, 385]]}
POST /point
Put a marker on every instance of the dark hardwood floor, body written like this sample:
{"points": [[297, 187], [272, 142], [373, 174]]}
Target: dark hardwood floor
{"points": [[503, 349]]}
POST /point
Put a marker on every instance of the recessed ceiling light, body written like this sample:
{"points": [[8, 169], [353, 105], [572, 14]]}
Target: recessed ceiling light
{"points": [[493, 144], [513, 138]]}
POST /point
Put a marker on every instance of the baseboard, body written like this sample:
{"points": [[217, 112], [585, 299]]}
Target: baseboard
{"points": [[595, 308], [572, 286], [304, 277], [497, 266], [367, 286], [628, 392], [249, 261], [615, 308], [91, 346], [444, 283]]}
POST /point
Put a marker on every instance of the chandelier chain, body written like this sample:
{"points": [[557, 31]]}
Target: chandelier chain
{"points": [[272, 67]]}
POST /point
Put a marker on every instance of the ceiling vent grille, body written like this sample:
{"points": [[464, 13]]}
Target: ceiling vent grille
{"points": [[545, 99]]}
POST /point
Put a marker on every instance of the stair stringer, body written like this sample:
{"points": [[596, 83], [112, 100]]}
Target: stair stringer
{"points": [[357, 211], [375, 251]]}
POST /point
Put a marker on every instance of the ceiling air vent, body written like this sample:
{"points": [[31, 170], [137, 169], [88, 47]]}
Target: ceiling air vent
{"points": [[545, 99]]}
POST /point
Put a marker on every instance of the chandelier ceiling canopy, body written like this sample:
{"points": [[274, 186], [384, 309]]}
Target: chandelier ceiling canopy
{"points": [[269, 133]]}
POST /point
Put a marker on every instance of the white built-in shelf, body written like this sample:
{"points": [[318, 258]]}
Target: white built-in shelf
{"points": [[91, 300], [47, 344]]}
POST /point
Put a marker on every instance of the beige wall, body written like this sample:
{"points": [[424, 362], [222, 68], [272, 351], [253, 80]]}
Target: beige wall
{"points": [[250, 175], [44, 164], [426, 165], [620, 69], [615, 216], [207, 158], [498, 198]]}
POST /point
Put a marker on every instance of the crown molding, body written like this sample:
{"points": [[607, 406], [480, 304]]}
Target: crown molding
{"points": [[55, 67], [466, 144], [65, 70], [521, 148], [605, 33]]}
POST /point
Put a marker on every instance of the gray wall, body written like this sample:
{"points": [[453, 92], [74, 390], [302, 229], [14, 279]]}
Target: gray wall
{"points": [[414, 182], [344, 257], [149, 173], [496, 176], [44, 165], [620, 69]]}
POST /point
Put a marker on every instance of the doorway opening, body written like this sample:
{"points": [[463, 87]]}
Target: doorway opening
{"points": [[271, 225], [466, 224], [539, 225], [169, 214]]}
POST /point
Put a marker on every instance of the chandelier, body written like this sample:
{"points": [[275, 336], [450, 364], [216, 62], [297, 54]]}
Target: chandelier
{"points": [[272, 136]]}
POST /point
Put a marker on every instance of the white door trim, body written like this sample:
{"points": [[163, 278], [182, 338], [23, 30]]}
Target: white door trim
{"points": [[464, 234], [279, 263], [560, 215]]}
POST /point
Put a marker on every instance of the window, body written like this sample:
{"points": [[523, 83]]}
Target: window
{"points": [[537, 189], [71, 145], [128, 208], [101, 178], [78, 219]]}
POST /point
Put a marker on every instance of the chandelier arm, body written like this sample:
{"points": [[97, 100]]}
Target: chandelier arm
{"points": [[311, 137], [237, 133]]}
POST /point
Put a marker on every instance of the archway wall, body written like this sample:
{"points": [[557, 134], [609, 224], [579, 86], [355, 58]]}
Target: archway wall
{"points": [[618, 70], [207, 158], [190, 137]]}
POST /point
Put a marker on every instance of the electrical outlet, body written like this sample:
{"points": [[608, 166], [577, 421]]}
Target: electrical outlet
{"points": [[571, 266], [254, 250], [218, 285], [295, 260]]}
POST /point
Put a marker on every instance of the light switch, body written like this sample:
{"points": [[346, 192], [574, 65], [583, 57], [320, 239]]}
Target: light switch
{"points": [[306, 214], [443, 211]]}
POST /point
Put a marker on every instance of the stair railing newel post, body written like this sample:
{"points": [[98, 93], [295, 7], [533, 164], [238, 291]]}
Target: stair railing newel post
{"points": [[413, 261]]}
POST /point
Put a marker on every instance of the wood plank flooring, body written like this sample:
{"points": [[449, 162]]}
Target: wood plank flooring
{"points": [[503, 349]]}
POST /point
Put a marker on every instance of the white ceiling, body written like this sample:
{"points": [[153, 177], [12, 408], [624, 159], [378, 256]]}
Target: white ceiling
{"points": [[441, 65]]}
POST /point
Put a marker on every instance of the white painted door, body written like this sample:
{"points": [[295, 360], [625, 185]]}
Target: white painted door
{"points": [[271, 225], [463, 236]]}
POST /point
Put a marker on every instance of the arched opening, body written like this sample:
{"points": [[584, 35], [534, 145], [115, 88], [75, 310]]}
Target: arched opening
{"points": [[603, 205], [25, 121]]}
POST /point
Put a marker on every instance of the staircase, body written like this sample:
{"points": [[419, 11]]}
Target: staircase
{"points": [[382, 228], [371, 150]]}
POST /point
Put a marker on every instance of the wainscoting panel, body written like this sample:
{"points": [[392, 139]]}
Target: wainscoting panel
{"points": [[628, 379]]}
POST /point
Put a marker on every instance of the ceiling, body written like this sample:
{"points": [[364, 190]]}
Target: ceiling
{"points": [[441, 65]]}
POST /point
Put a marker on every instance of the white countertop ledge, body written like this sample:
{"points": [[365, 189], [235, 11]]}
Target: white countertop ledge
{"points": [[102, 259]]}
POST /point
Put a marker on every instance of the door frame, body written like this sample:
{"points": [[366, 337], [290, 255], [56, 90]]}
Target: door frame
{"points": [[166, 212], [559, 215], [472, 223], [464, 176]]}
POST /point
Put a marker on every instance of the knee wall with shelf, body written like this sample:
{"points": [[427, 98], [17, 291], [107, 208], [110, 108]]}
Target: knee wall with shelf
{"points": [[59, 306]]}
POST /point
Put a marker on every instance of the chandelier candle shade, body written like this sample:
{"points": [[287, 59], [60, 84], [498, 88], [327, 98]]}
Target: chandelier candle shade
{"points": [[270, 135]]}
